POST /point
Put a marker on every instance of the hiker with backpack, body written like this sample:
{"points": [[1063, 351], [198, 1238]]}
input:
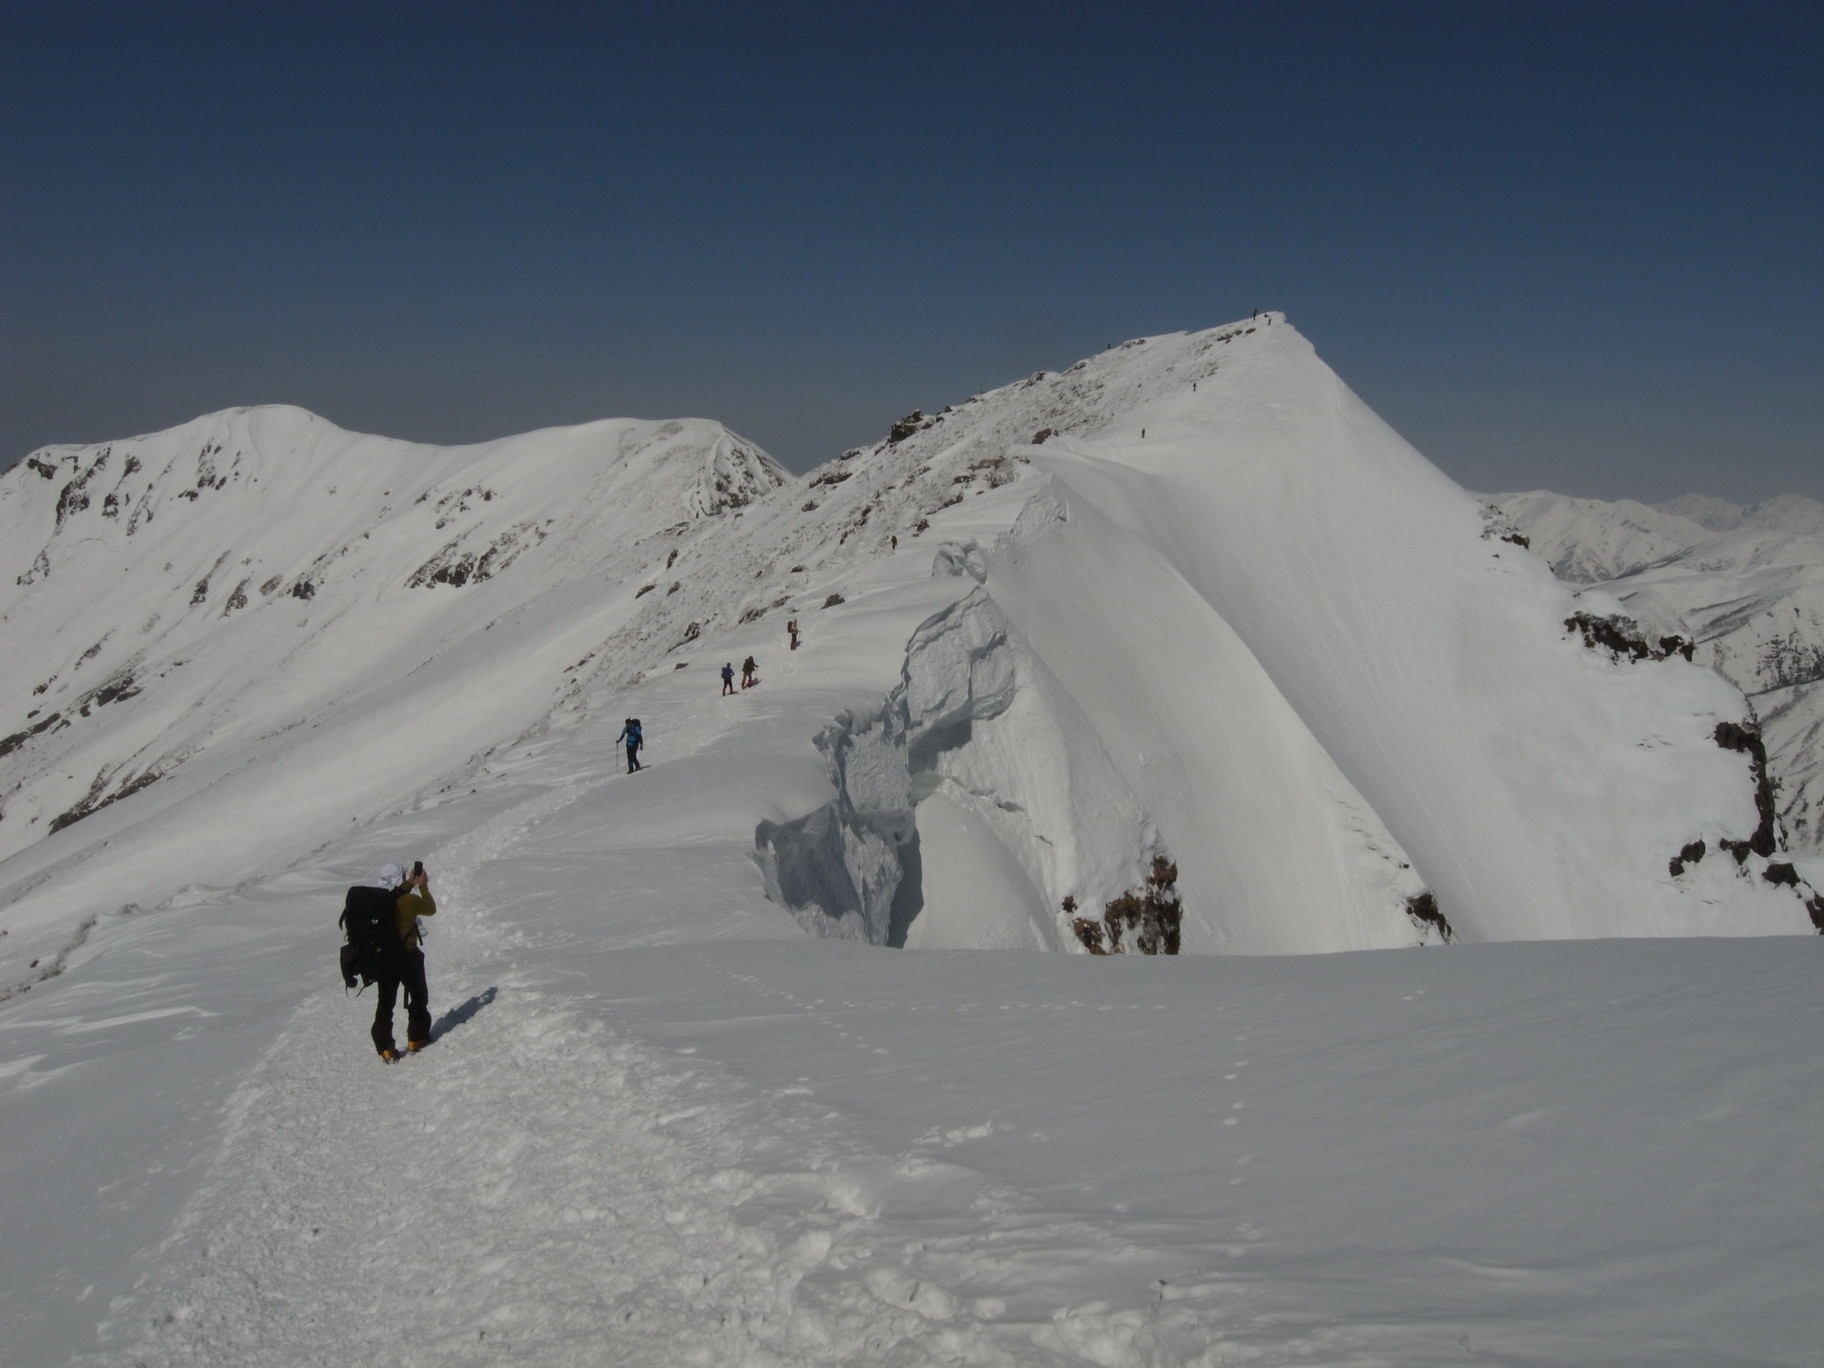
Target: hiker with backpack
{"points": [[385, 946], [728, 679], [630, 733], [747, 673]]}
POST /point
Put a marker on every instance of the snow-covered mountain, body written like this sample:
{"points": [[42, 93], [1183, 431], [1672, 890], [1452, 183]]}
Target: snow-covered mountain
{"points": [[1265, 626], [1746, 584], [1180, 648]]}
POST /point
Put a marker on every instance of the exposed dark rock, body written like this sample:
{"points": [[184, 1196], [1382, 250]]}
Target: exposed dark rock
{"points": [[906, 426], [1746, 738], [1621, 636], [73, 499], [1423, 909], [121, 687], [1779, 872], [472, 567], [9, 744], [1690, 855], [1146, 921], [303, 589], [833, 600], [1616, 634], [93, 803], [644, 590]]}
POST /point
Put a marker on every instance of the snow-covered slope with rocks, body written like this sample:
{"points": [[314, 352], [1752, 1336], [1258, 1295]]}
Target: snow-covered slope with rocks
{"points": [[1745, 583], [1187, 604]]}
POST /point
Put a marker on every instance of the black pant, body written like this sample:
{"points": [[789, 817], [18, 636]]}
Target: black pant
{"points": [[408, 970], [632, 760]]}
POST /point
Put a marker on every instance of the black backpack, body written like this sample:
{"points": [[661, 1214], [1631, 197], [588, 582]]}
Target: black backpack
{"points": [[369, 916]]}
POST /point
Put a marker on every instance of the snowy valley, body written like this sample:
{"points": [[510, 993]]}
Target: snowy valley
{"points": [[740, 1061]]}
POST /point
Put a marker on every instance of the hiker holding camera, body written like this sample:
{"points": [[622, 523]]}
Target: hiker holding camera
{"points": [[386, 947]]}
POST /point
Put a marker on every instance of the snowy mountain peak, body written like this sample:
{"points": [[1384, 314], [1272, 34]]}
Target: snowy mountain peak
{"points": [[1187, 600]]}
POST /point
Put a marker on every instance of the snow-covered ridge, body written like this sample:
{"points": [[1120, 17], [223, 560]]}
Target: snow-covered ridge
{"points": [[1185, 599], [1349, 658], [181, 608]]}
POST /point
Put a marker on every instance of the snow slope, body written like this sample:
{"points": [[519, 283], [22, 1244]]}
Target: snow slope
{"points": [[1747, 585], [1188, 598]]}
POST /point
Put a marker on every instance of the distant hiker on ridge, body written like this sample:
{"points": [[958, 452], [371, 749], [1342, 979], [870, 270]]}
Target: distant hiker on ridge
{"points": [[791, 630], [630, 733], [747, 673], [385, 946], [728, 680]]}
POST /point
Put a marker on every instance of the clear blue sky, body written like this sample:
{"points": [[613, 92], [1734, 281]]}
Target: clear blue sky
{"points": [[1577, 246]]}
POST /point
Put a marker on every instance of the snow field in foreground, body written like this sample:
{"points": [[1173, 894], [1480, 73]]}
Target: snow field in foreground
{"points": [[776, 1150]]}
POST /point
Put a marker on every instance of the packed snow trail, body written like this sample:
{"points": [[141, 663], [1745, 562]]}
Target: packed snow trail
{"points": [[539, 1187]]}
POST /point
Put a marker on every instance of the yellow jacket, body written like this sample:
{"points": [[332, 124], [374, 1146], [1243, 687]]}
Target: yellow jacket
{"points": [[414, 902]]}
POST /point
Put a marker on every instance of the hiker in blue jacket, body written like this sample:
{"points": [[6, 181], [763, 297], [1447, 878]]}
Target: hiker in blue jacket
{"points": [[728, 680], [630, 733]]}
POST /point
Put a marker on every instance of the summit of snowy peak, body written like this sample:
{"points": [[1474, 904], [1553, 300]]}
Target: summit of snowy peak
{"points": [[1108, 392]]}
